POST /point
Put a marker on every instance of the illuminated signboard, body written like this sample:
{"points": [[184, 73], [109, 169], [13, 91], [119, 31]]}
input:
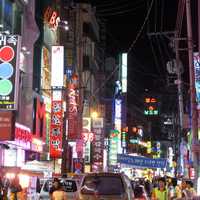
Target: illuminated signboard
{"points": [[118, 121], [197, 77], [45, 73], [151, 106], [124, 73], [72, 112], [56, 129], [51, 17], [57, 66], [113, 145], [9, 71], [98, 142], [87, 130]]}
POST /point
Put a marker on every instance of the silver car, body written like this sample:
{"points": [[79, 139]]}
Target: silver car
{"points": [[105, 186]]}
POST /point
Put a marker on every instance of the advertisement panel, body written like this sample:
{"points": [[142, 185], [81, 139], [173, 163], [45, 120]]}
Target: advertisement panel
{"points": [[57, 66], [56, 129], [98, 142], [7, 125], [197, 77], [72, 112], [9, 71]]}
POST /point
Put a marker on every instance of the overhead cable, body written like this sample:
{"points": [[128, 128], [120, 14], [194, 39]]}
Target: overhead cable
{"points": [[120, 8], [142, 27]]}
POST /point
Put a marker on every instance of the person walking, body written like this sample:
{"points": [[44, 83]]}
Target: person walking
{"points": [[16, 192], [160, 192], [58, 193]]}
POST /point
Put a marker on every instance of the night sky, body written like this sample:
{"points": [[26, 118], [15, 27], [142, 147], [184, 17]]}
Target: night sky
{"points": [[126, 24]]}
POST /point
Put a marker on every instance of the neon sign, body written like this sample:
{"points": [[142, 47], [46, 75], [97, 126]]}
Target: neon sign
{"points": [[51, 17], [72, 112], [151, 106]]}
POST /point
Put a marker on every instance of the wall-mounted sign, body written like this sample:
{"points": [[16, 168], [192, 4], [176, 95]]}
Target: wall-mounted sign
{"points": [[56, 130], [57, 66], [6, 125], [9, 71], [51, 17]]}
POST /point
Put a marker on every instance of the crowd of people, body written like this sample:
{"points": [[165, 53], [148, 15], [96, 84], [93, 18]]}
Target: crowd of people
{"points": [[167, 189]]}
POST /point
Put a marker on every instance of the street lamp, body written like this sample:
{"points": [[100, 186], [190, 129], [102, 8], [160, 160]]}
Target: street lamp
{"points": [[94, 115]]}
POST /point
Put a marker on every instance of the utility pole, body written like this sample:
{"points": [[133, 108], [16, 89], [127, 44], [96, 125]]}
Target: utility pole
{"points": [[180, 95], [194, 116]]}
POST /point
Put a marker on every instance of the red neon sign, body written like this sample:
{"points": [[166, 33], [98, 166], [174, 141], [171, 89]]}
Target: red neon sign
{"points": [[40, 125], [56, 129], [72, 113]]}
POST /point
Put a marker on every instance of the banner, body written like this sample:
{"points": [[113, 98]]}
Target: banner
{"points": [[141, 162], [56, 129], [9, 71]]}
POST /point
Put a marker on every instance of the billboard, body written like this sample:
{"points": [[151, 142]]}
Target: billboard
{"points": [[57, 66], [9, 71]]}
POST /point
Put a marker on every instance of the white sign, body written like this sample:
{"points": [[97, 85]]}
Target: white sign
{"points": [[124, 72], [57, 66]]}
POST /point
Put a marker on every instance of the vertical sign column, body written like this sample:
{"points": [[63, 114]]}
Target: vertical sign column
{"points": [[57, 82], [98, 143], [9, 71]]}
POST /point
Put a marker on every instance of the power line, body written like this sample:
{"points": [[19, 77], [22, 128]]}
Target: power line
{"points": [[111, 3], [142, 27], [117, 8], [120, 12]]}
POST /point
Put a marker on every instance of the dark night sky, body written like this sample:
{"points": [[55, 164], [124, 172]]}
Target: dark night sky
{"points": [[124, 19]]}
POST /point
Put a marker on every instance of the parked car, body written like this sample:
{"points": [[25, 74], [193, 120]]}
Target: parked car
{"points": [[106, 186], [70, 186]]}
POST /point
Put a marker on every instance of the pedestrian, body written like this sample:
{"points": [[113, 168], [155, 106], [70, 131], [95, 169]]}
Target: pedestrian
{"points": [[54, 187], [16, 192], [191, 188], [160, 192], [1, 188], [185, 192], [58, 193]]}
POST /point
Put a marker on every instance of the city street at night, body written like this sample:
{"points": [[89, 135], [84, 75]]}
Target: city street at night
{"points": [[99, 99]]}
